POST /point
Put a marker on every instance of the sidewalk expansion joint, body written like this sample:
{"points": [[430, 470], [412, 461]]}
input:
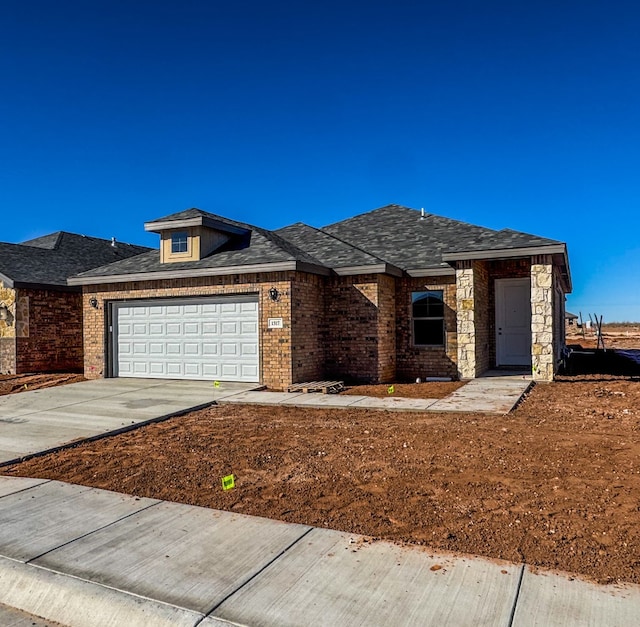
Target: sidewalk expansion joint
{"points": [[84, 535], [515, 600], [256, 574]]}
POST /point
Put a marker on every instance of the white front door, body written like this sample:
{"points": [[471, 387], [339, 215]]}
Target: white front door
{"points": [[513, 322]]}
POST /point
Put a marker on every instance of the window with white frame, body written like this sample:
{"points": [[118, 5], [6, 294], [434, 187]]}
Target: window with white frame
{"points": [[427, 313], [179, 242]]}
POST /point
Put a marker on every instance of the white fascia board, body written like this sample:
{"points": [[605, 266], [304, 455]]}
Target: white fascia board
{"points": [[157, 227], [282, 266], [426, 272], [6, 281], [504, 253], [380, 268]]}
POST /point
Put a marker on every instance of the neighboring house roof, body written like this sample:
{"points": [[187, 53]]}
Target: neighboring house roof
{"points": [[50, 260], [570, 316], [391, 239]]}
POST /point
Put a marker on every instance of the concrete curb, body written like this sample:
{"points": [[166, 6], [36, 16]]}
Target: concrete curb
{"points": [[72, 601]]}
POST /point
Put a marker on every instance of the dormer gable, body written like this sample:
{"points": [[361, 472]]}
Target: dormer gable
{"points": [[192, 235]]}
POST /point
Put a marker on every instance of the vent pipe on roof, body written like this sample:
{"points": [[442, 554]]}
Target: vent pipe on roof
{"points": [[113, 242], [422, 213]]}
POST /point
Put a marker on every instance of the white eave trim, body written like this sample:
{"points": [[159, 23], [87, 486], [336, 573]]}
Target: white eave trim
{"points": [[503, 253], [282, 266], [166, 225], [426, 272], [380, 268], [6, 281]]}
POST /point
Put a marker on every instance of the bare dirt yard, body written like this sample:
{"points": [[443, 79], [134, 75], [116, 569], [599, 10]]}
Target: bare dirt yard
{"points": [[428, 389], [615, 335], [14, 383], [556, 483]]}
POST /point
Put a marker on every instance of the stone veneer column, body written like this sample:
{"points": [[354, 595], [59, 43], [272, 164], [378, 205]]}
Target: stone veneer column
{"points": [[465, 306], [542, 357]]}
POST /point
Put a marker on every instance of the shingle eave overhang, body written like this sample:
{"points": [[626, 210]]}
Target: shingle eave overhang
{"points": [[559, 252], [202, 220], [280, 266], [380, 268], [426, 272], [504, 253]]}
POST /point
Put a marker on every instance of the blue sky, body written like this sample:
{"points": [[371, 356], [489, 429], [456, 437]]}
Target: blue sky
{"points": [[503, 114]]}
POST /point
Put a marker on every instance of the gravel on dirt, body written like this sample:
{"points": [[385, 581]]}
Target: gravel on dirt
{"points": [[555, 484]]}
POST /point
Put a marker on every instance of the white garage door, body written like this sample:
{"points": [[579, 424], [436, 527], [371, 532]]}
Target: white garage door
{"points": [[209, 339]]}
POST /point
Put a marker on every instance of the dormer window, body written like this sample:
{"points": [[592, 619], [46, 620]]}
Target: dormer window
{"points": [[179, 242], [193, 234]]}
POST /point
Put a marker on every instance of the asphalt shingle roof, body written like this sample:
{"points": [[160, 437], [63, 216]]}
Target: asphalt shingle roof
{"points": [[393, 234], [257, 246], [52, 259], [326, 248], [400, 236]]}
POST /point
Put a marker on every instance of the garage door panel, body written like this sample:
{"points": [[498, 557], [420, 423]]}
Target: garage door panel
{"points": [[229, 328], [193, 340]]}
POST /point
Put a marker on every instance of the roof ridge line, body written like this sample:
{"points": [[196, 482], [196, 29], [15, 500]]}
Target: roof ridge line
{"points": [[339, 239]]}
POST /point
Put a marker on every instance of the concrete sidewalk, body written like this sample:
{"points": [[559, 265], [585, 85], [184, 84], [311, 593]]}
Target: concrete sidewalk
{"points": [[88, 557], [491, 394], [41, 420]]}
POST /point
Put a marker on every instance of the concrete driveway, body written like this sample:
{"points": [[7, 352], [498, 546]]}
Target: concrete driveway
{"points": [[32, 422]]}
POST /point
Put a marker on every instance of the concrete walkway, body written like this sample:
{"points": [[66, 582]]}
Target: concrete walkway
{"points": [[88, 557], [41, 420], [492, 394]]}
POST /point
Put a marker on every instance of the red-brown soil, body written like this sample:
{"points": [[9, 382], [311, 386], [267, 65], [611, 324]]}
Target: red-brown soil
{"points": [[14, 383], [428, 389], [556, 483]]}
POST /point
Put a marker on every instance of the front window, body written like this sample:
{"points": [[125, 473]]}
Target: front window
{"points": [[179, 242], [427, 312]]}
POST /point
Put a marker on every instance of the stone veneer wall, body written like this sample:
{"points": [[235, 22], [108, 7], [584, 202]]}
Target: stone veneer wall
{"points": [[8, 331], [466, 302], [542, 343], [275, 344], [425, 361], [307, 327]]}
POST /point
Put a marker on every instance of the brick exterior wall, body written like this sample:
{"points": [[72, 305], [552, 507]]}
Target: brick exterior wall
{"points": [[482, 316], [351, 328], [425, 361], [307, 328], [356, 328], [275, 344], [49, 331], [386, 329]]}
